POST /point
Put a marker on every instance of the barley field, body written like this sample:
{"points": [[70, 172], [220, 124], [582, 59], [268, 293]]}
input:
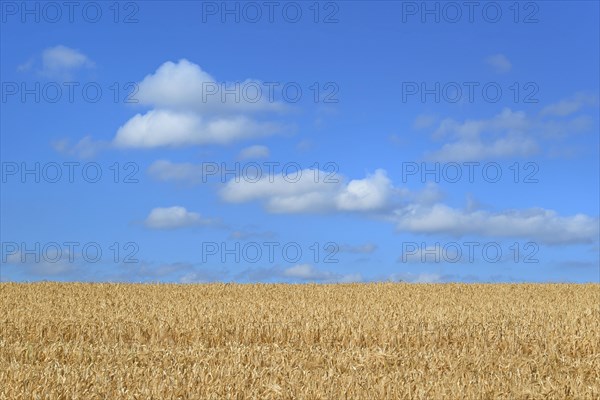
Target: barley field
{"points": [[267, 341]]}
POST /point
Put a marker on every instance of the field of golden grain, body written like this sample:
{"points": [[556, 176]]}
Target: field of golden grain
{"points": [[347, 341]]}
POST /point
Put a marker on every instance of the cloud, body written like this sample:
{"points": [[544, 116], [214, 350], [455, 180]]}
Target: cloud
{"points": [[254, 152], [186, 115], [469, 150], [307, 272], [162, 128], [371, 193], [61, 61], [505, 135], [198, 277], [283, 194], [571, 105], [305, 145], [174, 218], [427, 278], [297, 273], [184, 86], [26, 66], [52, 261], [577, 264], [181, 272], [434, 277], [183, 115], [58, 62], [304, 193], [420, 212], [430, 194], [397, 140], [424, 121], [560, 129], [430, 254], [499, 62], [537, 224], [85, 148], [246, 234], [506, 121]]}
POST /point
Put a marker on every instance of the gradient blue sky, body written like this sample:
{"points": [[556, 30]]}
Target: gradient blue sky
{"points": [[366, 125]]}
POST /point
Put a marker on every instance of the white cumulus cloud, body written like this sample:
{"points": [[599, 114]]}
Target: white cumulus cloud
{"points": [[306, 193], [173, 218], [185, 86], [182, 113]]}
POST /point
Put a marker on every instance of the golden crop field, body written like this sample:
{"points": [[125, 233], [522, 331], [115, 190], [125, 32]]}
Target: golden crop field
{"points": [[263, 341]]}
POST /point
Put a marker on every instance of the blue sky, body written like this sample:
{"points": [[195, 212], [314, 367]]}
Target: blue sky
{"points": [[342, 107]]}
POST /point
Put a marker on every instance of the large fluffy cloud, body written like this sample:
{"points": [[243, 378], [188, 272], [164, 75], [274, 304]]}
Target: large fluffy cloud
{"points": [[188, 108], [305, 193], [191, 108], [185, 86]]}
